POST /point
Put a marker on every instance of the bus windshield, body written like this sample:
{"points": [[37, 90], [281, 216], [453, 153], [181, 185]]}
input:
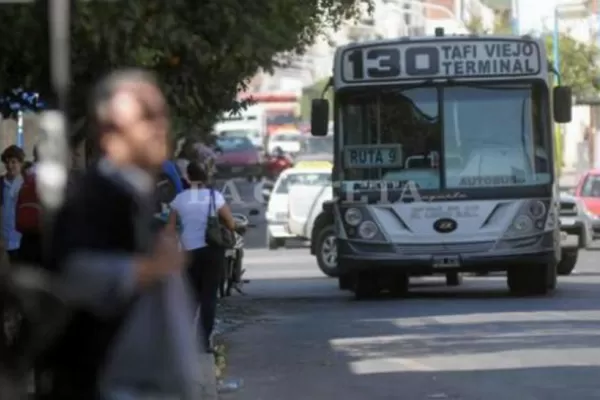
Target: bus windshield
{"points": [[455, 136]]}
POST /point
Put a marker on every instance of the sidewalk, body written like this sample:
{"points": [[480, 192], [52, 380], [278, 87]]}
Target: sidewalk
{"points": [[207, 379]]}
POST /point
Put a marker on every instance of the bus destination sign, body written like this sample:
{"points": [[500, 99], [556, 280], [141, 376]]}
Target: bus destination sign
{"points": [[475, 58], [373, 156]]}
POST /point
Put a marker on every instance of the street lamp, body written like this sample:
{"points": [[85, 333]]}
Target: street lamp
{"points": [[514, 9], [558, 9]]}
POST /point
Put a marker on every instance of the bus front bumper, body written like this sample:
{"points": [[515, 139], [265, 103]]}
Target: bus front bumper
{"points": [[356, 257]]}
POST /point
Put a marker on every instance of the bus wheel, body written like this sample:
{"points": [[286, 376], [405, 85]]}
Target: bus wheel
{"points": [[532, 280], [345, 282], [326, 251], [366, 286], [567, 263], [453, 279], [399, 285]]}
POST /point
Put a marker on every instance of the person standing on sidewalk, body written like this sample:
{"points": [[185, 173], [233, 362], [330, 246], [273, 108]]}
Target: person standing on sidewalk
{"points": [[29, 216], [12, 181], [194, 207], [105, 253]]}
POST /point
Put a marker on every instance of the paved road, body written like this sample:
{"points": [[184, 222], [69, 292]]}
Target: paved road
{"points": [[468, 343]]}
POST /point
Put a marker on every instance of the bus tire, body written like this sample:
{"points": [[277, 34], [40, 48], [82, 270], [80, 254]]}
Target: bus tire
{"points": [[534, 280], [345, 282], [326, 251], [399, 285], [567, 263], [366, 286], [453, 279]]}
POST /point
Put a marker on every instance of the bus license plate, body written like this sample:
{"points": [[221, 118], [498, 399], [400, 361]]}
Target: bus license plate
{"points": [[446, 261]]}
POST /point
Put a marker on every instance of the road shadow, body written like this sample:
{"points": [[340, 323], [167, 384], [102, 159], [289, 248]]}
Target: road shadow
{"points": [[302, 295]]}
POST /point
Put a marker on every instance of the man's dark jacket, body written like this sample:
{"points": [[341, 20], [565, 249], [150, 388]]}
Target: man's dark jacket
{"points": [[102, 215]]}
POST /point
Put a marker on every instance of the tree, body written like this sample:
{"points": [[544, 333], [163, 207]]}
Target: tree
{"points": [[203, 51], [502, 24], [578, 64], [578, 60]]}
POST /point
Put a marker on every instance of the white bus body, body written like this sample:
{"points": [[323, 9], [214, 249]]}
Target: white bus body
{"points": [[443, 162]]}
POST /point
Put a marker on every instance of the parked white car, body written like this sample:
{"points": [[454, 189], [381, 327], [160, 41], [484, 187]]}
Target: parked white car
{"points": [[278, 210], [290, 142], [306, 221]]}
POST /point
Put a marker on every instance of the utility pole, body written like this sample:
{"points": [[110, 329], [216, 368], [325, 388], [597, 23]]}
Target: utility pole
{"points": [[594, 140], [516, 27]]}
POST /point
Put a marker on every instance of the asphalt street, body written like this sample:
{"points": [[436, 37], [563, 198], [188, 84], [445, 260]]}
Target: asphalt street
{"points": [[308, 340]]}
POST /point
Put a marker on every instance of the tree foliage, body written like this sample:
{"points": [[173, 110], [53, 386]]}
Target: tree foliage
{"points": [[578, 60], [578, 64], [203, 51], [502, 25]]}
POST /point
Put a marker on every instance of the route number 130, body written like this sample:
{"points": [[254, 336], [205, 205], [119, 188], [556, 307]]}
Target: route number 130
{"points": [[385, 63]]}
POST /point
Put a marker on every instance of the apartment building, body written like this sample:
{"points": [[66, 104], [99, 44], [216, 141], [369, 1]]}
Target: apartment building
{"points": [[391, 18]]}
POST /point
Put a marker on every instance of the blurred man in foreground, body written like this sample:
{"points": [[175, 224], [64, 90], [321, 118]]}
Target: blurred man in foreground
{"points": [[110, 262]]}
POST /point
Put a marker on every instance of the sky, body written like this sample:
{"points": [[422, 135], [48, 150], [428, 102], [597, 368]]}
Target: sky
{"points": [[534, 13], [538, 15]]}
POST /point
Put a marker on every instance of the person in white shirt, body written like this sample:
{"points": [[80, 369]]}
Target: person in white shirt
{"points": [[193, 207]]}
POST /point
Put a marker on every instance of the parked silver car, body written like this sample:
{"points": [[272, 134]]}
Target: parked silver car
{"points": [[576, 231]]}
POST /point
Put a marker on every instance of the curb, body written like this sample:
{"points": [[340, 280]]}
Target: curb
{"points": [[208, 378]]}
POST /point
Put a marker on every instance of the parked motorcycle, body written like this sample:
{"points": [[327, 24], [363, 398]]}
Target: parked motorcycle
{"points": [[232, 278]]}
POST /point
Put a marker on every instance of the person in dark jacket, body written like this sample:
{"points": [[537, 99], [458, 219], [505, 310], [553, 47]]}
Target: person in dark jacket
{"points": [[104, 251], [31, 242]]}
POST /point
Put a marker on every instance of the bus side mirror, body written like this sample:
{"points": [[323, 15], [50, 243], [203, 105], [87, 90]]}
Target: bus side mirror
{"points": [[319, 117], [562, 104]]}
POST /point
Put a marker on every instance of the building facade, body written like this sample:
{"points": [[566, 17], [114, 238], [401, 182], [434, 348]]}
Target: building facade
{"points": [[395, 18]]}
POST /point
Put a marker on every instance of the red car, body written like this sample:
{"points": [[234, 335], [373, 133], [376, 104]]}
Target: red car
{"points": [[237, 157], [588, 191]]}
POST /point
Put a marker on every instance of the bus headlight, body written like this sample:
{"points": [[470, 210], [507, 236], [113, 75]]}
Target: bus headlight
{"points": [[522, 224], [368, 230], [353, 216], [537, 209]]}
